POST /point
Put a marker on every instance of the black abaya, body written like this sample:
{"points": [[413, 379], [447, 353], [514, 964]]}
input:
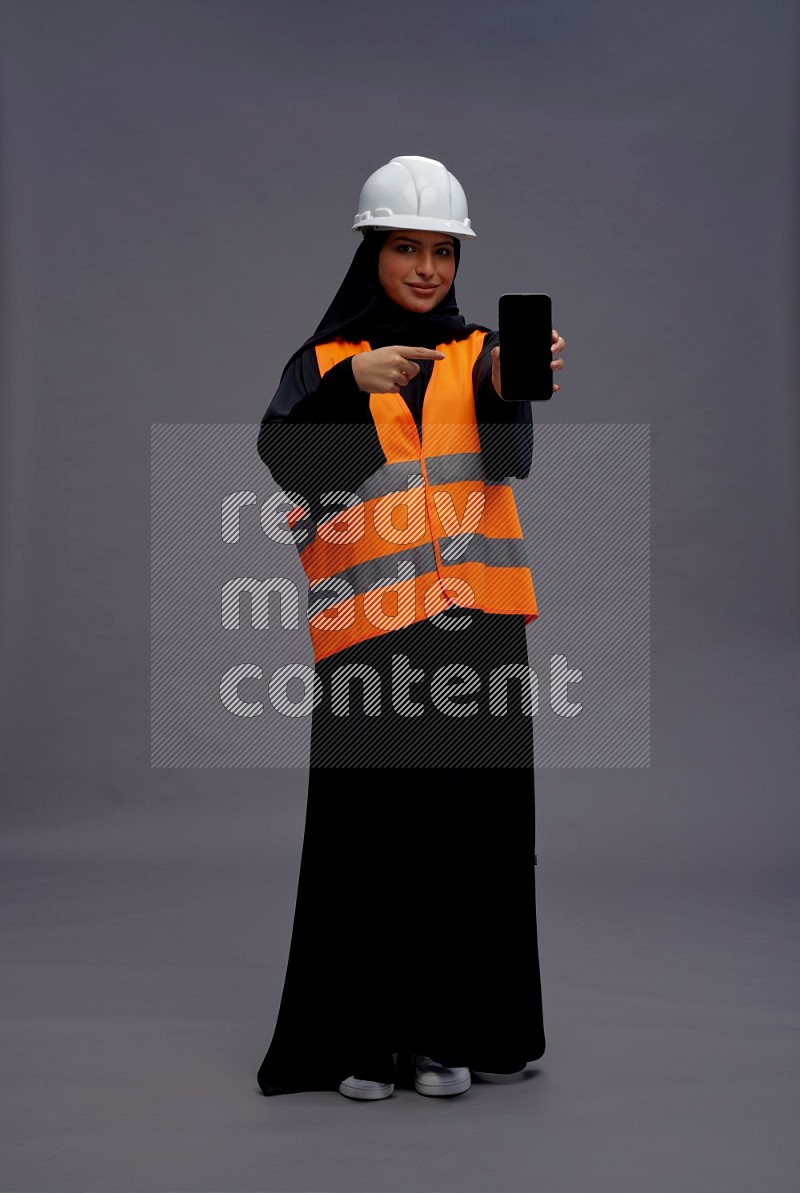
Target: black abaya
{"points": [[415, 921]]}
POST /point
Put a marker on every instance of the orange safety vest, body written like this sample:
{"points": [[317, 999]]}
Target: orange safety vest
{"points": [[424, 533]]}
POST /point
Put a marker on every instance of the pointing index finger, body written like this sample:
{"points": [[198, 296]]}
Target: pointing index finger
{"points": [[424, 353]]}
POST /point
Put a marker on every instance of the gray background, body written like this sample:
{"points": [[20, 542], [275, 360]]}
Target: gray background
{"points": [[178, 181]]}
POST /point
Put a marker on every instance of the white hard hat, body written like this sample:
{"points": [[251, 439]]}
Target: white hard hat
{"points": [[414, 192]]}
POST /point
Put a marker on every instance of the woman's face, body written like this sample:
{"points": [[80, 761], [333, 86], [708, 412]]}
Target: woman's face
{"points": [[416, 269]]}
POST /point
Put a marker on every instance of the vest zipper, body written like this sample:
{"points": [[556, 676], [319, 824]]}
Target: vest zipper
{"points": [[426, 485]]}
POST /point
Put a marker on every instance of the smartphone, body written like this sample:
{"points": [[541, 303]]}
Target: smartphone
{"points": [[525, 323]]}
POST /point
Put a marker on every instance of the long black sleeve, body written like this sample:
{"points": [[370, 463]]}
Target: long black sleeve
{"points": [[505, 428], [318, 435]]}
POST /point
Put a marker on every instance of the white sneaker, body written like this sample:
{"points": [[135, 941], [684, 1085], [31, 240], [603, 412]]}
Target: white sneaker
{"points": [[366, 1091], [437, 1080]]}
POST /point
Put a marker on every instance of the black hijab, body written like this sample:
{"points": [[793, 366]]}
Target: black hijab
{"points": [[362, 310]]}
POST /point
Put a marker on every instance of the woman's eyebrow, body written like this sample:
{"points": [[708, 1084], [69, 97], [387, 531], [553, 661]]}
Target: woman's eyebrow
{"points": [[412, 240]]}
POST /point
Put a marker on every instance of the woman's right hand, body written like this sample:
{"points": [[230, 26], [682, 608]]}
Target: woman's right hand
{"points": [[387, 370]]}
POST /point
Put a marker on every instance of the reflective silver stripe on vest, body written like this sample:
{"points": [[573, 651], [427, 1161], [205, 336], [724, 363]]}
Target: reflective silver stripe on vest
{"points": [[400, 478], [477, 548], [380, 573], [392, 478]]}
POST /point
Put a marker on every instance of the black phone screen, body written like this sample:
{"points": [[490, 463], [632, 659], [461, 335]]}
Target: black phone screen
{"points": [[525, 326]]}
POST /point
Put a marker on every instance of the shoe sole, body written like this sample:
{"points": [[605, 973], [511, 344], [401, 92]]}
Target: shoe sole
{"points": [[365, 1095], [443, 1091]]}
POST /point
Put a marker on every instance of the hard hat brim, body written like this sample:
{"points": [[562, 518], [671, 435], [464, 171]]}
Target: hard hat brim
{"points": [[417, 223]]}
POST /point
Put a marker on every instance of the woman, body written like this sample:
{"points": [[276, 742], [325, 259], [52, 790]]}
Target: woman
{"points": [[413, 957]]}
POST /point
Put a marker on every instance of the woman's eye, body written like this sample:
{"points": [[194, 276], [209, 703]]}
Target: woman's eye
{"points": [[443, 251]]}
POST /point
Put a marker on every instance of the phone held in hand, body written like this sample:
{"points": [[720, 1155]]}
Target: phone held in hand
{"points": [[525, 323]]}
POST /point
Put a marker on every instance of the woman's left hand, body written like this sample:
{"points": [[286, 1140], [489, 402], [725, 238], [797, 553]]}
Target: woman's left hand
{"points": [[558, 344]]}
